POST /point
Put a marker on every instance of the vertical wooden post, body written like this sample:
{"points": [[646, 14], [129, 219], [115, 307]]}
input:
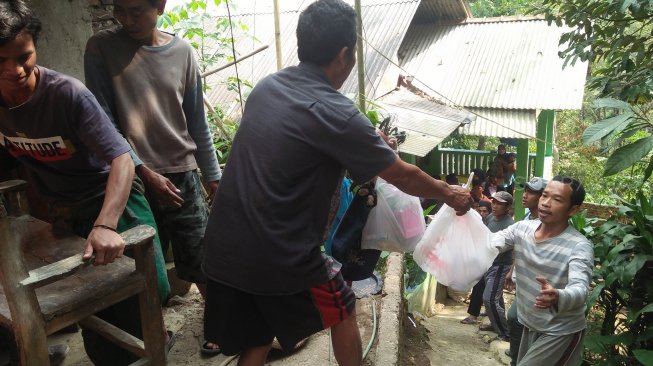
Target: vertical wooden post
{"points": [[27, 321], [360, 62], [521, 177], [277, 35], [148, 301]]}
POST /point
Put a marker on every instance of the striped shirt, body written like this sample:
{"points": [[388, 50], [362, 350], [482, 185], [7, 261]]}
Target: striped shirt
{"points": [[566, 261]]}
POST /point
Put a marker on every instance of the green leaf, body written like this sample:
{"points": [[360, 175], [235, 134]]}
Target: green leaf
{"points": [[591, 300], [628, 155], [634, 266], [644, 356], [646, 309], [603, 128], [648, 171], [626, 4], [611, 103]]}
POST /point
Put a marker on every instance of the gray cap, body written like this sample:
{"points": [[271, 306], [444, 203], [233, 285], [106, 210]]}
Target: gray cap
{"points": [[503, 197], [536, 184]]}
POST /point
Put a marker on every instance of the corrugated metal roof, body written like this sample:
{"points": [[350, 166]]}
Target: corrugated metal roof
{"points": [[425, 122], [437, 10], [502, 123], [385, 23], [494, 64]]}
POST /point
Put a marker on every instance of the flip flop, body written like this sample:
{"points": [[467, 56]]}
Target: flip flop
{"points": [[171, 341], [208, 352]]}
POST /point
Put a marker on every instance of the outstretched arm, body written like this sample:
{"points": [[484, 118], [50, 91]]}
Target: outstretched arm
{"points": [[103, 239], [414, 181]]}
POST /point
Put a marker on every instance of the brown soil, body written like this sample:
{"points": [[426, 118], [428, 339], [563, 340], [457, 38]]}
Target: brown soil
{"points": [[185, 319]]}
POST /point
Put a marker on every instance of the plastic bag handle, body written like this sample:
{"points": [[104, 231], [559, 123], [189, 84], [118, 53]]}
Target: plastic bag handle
{"points": [[469, 180]]}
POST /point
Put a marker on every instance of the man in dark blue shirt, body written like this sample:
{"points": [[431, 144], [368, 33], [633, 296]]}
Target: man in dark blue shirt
{"points": [[266, 275]]}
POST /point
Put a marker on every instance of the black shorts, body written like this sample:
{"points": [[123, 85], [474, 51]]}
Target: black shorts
{"points": [[238, 320]]}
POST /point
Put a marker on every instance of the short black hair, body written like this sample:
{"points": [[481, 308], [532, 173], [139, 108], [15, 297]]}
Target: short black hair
{"points": [[16, 17], [154, 3], [323, 29], [451, 179], [577, 189], [486, 204]]}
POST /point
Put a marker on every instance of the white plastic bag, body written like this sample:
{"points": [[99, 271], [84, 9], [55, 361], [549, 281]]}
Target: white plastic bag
{"points": [[396, 224], [456, 249]]}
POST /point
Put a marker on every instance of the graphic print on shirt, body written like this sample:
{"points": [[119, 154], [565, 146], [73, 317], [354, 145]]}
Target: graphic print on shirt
{"points": [[44, 149]]}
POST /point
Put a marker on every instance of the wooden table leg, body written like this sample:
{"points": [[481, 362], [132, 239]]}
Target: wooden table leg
{"points": [[28, 324]]}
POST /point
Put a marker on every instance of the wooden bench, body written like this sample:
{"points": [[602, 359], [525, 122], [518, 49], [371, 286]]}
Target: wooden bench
{"points": [[46, 286]]}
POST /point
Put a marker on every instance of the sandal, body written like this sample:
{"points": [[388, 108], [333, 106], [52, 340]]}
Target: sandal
{"points": [[207, 351], [172, 338], [469, 320], [486, 328]]}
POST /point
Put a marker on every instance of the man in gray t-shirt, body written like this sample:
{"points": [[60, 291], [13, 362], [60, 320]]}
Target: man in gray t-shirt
{"points": [[266, 275], [553, 266]]}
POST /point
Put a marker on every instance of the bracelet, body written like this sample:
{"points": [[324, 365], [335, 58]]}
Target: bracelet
{"points": [[104, 227]]}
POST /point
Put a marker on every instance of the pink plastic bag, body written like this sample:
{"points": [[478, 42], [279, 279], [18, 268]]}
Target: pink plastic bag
{"points": [[396, 224], [456, 249]]}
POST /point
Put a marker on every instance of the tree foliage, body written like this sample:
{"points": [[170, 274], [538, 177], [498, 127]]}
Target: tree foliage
{"points": [[210, 36], [496, 8], [615, 36], [621, 327]]}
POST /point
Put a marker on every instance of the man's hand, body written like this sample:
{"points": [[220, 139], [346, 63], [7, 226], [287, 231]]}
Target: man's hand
{"points": [[548, 296], [213, 188], [510, 285], [460, 199], [107, 245], [160, 187]]}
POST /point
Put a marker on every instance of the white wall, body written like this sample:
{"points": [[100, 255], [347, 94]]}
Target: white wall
{"points": [[66, 27]]}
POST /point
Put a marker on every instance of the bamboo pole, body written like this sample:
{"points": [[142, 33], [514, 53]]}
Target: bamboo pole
{"points": [[359, 56], [235, 61], [277, 34]]}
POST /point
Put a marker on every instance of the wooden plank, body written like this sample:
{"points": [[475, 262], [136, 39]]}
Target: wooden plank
{"points": [[82, 306], [28, 327], [15, 197], [115, 335], [149, 304], [13, 185]]}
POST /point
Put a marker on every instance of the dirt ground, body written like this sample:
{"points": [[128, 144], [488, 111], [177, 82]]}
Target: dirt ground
{"points": [[185, 319], [443, 341]]}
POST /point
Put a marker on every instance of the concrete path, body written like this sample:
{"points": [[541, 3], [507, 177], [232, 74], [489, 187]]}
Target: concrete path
{"points": [[447, 342]]}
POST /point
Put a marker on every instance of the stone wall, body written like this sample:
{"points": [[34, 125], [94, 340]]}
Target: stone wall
{"points": [[66, 27], [101, 13], [600, 211]]}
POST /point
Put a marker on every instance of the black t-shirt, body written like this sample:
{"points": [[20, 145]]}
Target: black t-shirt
{"points": [[296, 137]]}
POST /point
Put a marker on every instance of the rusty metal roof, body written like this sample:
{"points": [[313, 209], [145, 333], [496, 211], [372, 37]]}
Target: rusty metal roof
{"points": [[494, 63], [385, 23], [425, 121]]}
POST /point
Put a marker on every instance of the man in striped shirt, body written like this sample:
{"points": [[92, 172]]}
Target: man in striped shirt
{"points": [[553, 264]]}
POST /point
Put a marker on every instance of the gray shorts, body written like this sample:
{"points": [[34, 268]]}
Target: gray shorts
{"points": [[183, 227], [539, 349]]}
